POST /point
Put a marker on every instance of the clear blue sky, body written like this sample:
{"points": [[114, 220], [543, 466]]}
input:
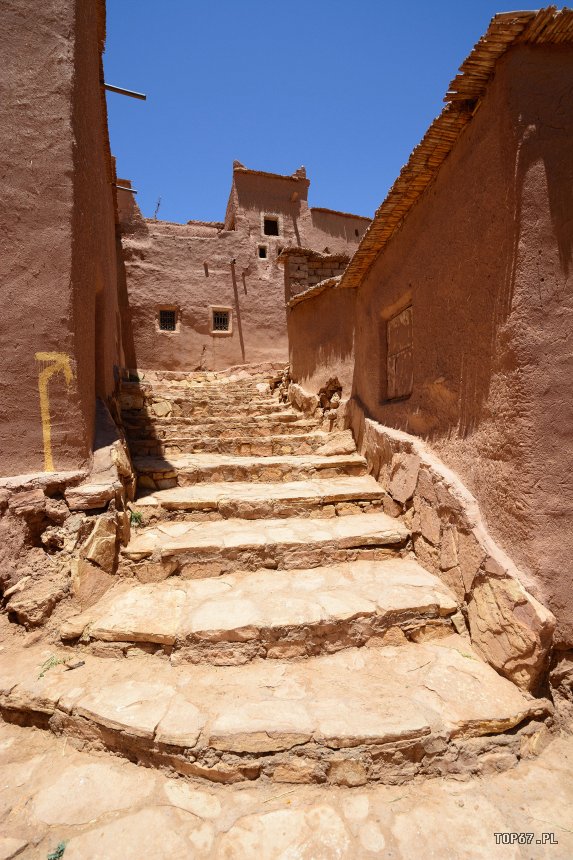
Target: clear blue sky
{"points": [[345, 88]]}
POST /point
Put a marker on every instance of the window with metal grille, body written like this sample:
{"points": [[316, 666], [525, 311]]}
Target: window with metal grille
{"points": [[167, 320], [220, 320], [271, 226]]}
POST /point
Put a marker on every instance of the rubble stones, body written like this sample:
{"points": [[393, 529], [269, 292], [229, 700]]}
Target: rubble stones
{"points": [[89, 582], [100, 546], [33, 605], [87, 497]]}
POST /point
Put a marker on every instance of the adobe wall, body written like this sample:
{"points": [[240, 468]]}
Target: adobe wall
{"points": [[57, 236], [321, 340], [484, 261], [196, 266], [168, 265]]}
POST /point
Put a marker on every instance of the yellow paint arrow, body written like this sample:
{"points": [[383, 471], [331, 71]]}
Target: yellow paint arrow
{"points": [[58, 362]]}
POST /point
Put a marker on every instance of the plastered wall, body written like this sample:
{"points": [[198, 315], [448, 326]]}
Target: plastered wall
{"points": [[194, 267], [484, 260], [321, 340], [57, 237]]}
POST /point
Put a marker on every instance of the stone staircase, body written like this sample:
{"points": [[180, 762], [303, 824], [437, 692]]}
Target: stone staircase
{"points": [[269, 618]]}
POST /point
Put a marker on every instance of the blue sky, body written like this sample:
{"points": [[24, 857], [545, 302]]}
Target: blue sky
{"points": [[345, 88]]}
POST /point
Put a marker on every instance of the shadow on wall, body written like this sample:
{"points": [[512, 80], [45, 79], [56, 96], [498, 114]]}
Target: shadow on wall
{"points": [[238, 309], [533, 148], [321, 339], [337, 226], [128, 341]]}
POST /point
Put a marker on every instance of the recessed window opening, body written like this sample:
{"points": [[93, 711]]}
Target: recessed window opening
{"points": [[356, 231], [271, 226], [400, 362], [220, 320], [263, 252], [167, 320]]}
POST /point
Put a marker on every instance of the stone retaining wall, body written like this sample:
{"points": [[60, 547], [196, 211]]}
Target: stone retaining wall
{"points": [[507, 625], [510, 628]]}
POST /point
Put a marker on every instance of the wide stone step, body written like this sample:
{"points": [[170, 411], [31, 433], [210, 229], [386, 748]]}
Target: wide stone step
{"points": [[296, 613], [254, 427], [174, 387], [225, 500], [203, 549], [205, 407], [245, 445], [159, 473], [369, 714]]}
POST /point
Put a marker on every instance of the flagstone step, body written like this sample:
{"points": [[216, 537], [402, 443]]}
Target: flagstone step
{"points": [[369, 714], [243, 445], [252, 427], [161, 473], [164, 408], [203, 549], [290, 614], [245, 500], [213, 386]]}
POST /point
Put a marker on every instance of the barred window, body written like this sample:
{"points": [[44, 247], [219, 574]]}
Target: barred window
{"points": [[167, 320], [220, 320]]}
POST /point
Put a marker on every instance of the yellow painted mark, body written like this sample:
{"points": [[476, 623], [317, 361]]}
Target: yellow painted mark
{"points": [[56, 362]]}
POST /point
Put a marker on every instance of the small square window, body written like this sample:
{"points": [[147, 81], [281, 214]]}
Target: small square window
{"points": [[263, 252], [271, 226], [220, 320], [167, 320]]}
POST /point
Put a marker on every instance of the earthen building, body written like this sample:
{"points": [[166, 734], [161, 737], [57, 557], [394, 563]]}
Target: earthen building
{"points": [[348, 570]]}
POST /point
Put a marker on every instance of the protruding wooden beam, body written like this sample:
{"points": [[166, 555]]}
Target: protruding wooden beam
{"points": [[124, 92]]}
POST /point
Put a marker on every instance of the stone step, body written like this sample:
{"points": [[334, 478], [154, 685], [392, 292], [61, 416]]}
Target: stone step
{"points": [[204, 408], [245, 500], [180, 391], [215, 389], [245, 445], [291, 614], [157, 473], [256, 427], [204, 549], [368, 714]]}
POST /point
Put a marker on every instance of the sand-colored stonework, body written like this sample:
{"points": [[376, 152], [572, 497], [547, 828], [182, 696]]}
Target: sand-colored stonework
{"points": [[241, 616]]}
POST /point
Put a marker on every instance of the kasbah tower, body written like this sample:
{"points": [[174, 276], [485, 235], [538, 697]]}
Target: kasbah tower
{"points": [[286, 499]]}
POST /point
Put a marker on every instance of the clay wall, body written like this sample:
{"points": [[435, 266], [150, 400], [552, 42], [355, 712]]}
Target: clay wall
{"points": [[339, 230], [195, 267], [171, 267], [321, 340], [484, 371], [57, 237]]}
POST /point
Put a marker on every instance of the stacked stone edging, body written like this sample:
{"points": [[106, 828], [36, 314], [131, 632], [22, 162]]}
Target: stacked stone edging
{"points": [[510, 628]]}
